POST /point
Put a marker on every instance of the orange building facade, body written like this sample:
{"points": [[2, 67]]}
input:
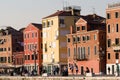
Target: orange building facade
{"points": [[113, 38], [86, 45], [33, 47]]}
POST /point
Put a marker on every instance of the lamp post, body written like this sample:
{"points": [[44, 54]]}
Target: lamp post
{"points": [[101, 57], [117, 68], [34, 55], [35, 60], [14, 63]]}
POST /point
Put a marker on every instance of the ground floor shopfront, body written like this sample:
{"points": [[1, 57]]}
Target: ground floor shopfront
{"points": [[31, 67], [113, 69], [80, 67], [54, 68]]}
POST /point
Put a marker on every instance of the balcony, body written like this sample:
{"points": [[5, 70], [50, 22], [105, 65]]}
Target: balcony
{"points": [[83, 58], [116, 47]]}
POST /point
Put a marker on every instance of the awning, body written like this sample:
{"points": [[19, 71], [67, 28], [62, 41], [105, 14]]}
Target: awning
{"points": [[3, 66]]}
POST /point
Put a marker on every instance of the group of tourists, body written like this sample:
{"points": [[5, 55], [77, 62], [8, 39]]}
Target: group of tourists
{"points": [[74, 67]]}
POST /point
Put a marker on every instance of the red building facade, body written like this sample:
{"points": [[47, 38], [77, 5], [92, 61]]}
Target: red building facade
{"points": [[33, 47], [113, 38], [87, 45]]}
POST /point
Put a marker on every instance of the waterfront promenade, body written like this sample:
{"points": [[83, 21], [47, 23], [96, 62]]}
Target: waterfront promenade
{"points": [[59, 78]]}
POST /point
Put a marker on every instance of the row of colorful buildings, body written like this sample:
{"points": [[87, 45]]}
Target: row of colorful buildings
{"points": [[65, 38]]}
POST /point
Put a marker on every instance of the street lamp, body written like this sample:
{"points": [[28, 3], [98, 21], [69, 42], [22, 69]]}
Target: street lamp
{"points": [[101, 57], [52, 61], [34, 56], [35, 61], [117, 67]]}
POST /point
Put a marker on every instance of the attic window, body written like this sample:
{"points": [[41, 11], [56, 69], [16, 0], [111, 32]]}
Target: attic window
{"points": [[48, 24], [62, 21], [83, 27], [78, 28]]}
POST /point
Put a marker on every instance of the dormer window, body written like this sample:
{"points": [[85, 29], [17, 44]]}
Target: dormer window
{"points": [[68, 40], [48, 24], [83, 27], [61, 21], [78, 28]]}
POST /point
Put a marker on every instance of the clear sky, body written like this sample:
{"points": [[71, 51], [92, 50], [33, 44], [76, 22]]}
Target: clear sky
{"points": [[19, 13]]}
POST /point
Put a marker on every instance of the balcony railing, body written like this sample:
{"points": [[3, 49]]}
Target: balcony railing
{"points": [[83, 58], [116, 47]]}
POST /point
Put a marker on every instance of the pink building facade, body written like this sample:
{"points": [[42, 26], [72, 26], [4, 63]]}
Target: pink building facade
{"points": [[87, 45], [33, 47]]}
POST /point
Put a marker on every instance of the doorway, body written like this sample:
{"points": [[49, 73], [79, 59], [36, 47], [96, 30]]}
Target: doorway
{"points": [[82, 70]]}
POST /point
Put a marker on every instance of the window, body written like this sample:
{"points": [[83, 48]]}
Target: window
{"points": [[117, 28], [32, 35], [117, 56], [41, 45], [45, 47], [8, 59], [41, 34], [28, 35], [84, 52], [116, 15], [108, 15], [32, 56], [28, 57], [95, 50], [9, 49], [74, 39], [78, 39], [74, 51], [108, 55], [61, 21], [68, 40], [88, 50], [83, 27], [52, 22], [78, 28], [43, 24], [24, 35], [36, 56], [83, 38], [79, 54], [109, 43], [68, 52], [41, 56], [116, 40], [108, 28], [36, 34], [88, 37], [4, 49], [95, 37], [48, 24]]}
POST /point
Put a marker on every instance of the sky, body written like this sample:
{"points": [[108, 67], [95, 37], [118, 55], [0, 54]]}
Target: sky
{"points": [[19, 13]]}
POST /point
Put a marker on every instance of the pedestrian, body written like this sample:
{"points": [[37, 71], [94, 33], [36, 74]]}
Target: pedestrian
{"points": [[109, 70], [54, 70], [57, 70], [72, 68], [76, 67], [87, 70]]}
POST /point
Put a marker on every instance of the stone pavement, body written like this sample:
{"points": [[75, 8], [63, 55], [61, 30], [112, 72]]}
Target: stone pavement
{"points": [[58, 78]]}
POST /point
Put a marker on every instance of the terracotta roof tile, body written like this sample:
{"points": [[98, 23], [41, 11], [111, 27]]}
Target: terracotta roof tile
{"points": [[39, 26], [60, 13]]}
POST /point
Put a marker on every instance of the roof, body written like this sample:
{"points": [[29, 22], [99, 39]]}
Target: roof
{"points": [[60, 13], [94, 19], [39, 26]]}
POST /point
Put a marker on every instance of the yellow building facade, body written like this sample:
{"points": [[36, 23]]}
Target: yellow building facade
{"points": [[55, 28]]}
